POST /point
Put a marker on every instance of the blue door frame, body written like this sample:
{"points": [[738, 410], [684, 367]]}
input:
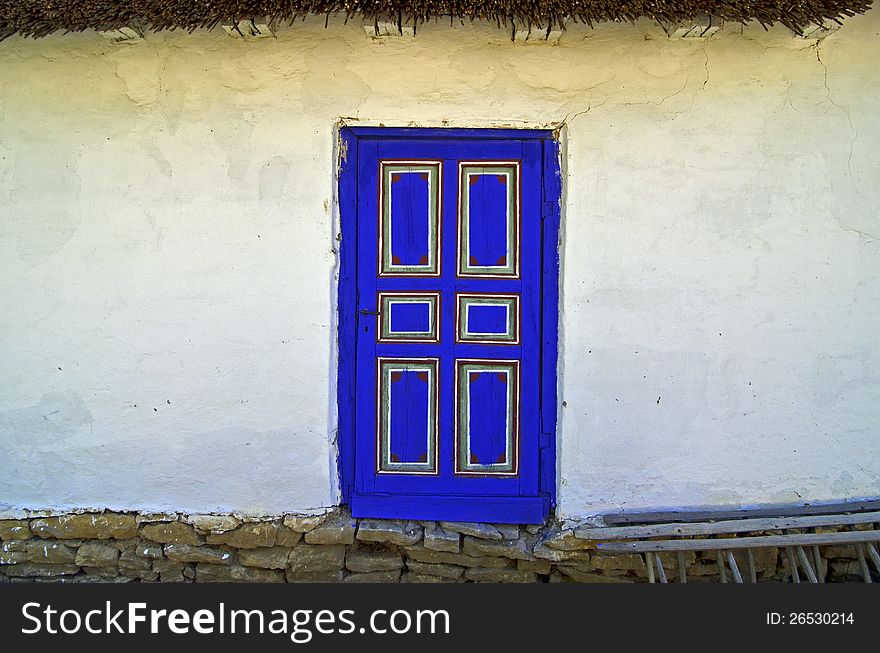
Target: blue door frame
{"points": [[488, 499]]}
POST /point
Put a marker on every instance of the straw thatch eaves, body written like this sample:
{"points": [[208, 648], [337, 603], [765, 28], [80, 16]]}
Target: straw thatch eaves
{"points": [[41, 17]]}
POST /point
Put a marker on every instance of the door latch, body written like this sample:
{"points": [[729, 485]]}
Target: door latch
{"points": [[365, 311]]}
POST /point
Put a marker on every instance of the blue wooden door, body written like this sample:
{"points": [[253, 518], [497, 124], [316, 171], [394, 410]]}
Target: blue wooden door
{"points": [[448, 350]]}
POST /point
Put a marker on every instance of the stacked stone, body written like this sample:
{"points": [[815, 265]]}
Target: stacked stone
{"points": [[334, 547]]}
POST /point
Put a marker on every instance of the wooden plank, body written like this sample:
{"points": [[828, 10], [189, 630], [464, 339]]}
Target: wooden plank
{"points": [[661, 572], [682, 569], [449, 133], [550, 223], [792, 565], [875, 558], [753, 572], [805, 563], [801, 539], [649, 563], [863, 564], [721, 570], [728, 526], [817, 558], [346, 310], [500, 509], [731, 561], [786, 510]]}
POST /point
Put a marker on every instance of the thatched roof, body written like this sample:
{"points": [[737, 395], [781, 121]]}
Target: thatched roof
{"points": [[41, 17]]}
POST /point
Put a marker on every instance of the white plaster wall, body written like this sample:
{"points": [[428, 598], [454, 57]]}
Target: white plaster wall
{"points": [[167, 258]]}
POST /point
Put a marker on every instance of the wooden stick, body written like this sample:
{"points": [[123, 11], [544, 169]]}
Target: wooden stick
{"points": [[753, 573], [818, 559], [661, 572], [731, 526], [788, 510], [792, 565], [875, 558], [649, 563], [731, 561], [721, 570], [682, 571], [801, 539], [805, 563], [863, 565]]}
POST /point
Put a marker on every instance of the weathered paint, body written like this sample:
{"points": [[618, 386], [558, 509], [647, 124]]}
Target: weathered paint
{"points": [[168, 236]]}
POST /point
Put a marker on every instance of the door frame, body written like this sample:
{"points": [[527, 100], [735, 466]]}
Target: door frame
{"points": [[347, 171]]}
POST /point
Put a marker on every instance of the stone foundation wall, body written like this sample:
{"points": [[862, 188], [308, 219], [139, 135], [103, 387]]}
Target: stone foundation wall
{"points": [[120, 547]]}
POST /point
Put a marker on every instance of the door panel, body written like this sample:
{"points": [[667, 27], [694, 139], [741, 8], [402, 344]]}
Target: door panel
{"points": [[407, 416], [409, 218]]}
